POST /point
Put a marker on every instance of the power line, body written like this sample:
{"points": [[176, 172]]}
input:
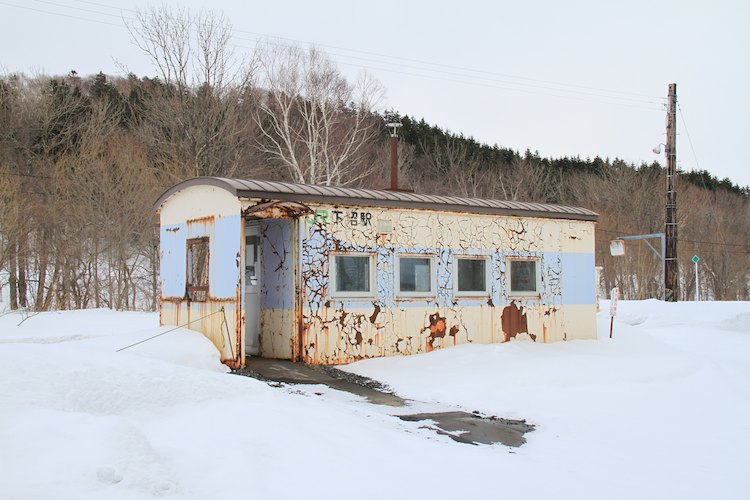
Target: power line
{"points": [[487, 85], [454, 70], [77, 8], [493, 75], [690, 140], [106, 6], [60, 14]]}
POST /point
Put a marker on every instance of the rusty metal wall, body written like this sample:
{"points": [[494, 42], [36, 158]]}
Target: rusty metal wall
{"points": [[302, 320], [343, 329], [204, 211]]}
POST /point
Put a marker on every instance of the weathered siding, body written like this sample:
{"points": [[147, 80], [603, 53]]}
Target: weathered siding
{"points": [[204, 211], [337, 330]]}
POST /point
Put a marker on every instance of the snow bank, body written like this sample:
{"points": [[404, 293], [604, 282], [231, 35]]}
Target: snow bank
{"points": [[659, 411]]}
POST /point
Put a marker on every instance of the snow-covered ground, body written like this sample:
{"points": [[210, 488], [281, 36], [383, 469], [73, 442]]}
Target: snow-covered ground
{"points": [[660, 411]]}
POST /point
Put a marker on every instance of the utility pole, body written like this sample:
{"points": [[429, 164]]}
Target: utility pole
{"points": [[670, 226]]}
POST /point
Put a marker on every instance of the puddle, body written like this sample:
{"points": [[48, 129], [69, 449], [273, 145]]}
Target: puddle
{"points": [[283, 371], [461, 426], [472, 428]]}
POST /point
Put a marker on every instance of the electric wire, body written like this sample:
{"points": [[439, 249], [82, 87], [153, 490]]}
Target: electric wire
{"points": [[77, 8], [60, 14], [454, 71], [291, 41], [170, 330], [690, 140], [418, 61]]}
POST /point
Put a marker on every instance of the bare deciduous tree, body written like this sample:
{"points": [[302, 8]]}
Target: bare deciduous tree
{"points": [[190, 50], [313, 121], [194, 121]]}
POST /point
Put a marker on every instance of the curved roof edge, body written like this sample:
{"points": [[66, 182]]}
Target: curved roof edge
{"points": [[397, 199]]}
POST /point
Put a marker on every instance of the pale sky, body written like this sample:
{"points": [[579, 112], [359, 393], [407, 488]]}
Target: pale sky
{"points": [[573, 78]]}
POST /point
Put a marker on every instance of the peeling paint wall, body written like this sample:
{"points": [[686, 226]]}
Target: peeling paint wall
{"points": [[204, 211], [277, 320], [302, 319], [344, 329]]}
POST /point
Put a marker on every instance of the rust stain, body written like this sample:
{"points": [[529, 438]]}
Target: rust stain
{"points": [[453, 331], [173, 229], [436, 329], [490, 303], [358, 337], [342, 319], [277, 210], [374, 315], [199, 220], [514, 321]]}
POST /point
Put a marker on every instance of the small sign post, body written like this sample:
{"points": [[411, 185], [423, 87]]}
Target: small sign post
{"points": [[695, 261], [614, 296]]}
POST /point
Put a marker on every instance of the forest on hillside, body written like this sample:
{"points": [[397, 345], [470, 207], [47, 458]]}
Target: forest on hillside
{"points": [[83, 158]]}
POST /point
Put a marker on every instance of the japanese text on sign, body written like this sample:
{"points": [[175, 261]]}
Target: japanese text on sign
{"points": [[352, 218]]}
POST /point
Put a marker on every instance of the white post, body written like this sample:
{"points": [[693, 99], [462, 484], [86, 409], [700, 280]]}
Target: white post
{"points": [[696, 281], [695, 261]]}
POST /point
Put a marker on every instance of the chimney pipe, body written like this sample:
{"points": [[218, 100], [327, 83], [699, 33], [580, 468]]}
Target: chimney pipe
{"points": [[394, 155]]}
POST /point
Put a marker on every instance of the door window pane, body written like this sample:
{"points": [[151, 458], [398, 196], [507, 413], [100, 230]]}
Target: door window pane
{"points": [[252, 243], [352, 273], [523, 276], [197, 269], [415, 274], [472, 275]]}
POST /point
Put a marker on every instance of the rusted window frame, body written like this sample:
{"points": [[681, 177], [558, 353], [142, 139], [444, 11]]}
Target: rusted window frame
{"points": [[433, 276], [509, 276], [189, 287], [346, 294], [472, 294]]}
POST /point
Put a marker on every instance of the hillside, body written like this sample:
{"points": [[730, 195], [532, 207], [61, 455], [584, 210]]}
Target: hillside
{"points": [[83, 158]]}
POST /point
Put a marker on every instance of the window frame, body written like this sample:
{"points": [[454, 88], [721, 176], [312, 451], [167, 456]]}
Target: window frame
{"points": [[509, 272], [433, 276], [189, 286], [472, 294], [332, 275]]}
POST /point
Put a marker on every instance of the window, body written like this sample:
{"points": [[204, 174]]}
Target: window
{"points": [[415, 276], [352, 275], [471, 276], [197, 269], [524, 276]]}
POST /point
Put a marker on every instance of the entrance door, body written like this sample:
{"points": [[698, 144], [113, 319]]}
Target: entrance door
{"points": [[252, 289]]}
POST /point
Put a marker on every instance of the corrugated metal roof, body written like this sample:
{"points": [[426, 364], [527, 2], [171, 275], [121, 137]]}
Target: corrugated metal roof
{"points": [[268, 190]]}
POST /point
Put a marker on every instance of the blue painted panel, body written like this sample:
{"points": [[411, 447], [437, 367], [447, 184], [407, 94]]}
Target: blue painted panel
{"points": [[172, 243], [277, 269], [224, 271], [579, 278]]}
